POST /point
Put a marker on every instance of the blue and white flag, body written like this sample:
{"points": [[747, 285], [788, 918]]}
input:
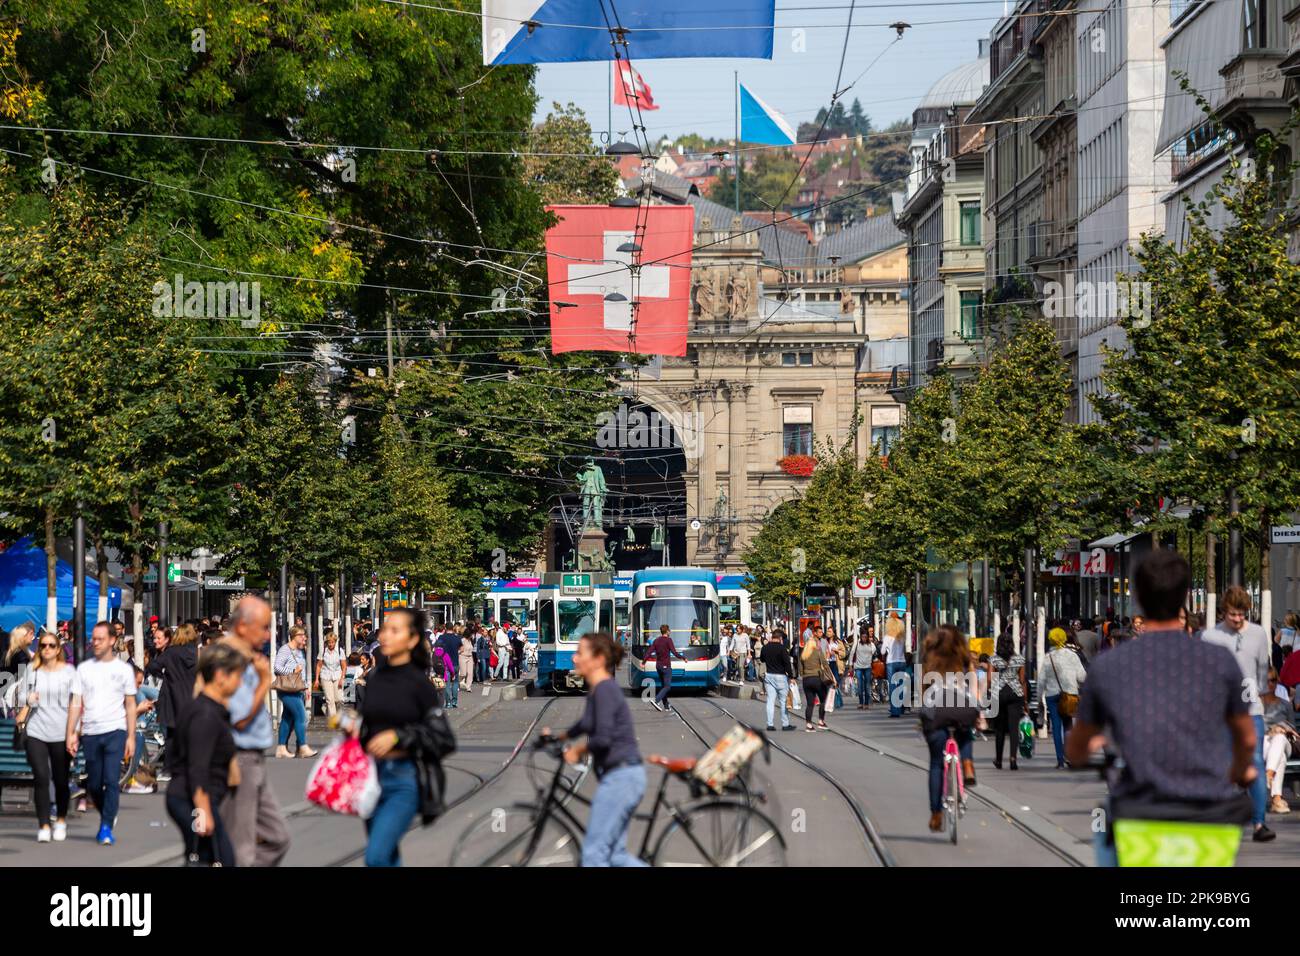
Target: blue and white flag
{"points": [[564, 31], [759, 123]]}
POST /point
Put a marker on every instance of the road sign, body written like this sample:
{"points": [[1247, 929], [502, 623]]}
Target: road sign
{"points": [[864, 587], [575, 585], [1286, 534]]}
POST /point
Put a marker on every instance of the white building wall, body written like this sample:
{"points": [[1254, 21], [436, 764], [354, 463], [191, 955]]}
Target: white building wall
{"points": [[1120, 89]]}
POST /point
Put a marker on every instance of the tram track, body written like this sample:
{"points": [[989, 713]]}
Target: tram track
{"points": [[484, 782], [970, 792], [874, 843]]}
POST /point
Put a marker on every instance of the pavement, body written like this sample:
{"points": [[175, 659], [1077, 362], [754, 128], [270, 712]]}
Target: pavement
{"points": [[817, 791]]}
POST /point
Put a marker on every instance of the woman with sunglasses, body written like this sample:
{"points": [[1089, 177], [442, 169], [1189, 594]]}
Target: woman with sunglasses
{"points": [[47, 691]]}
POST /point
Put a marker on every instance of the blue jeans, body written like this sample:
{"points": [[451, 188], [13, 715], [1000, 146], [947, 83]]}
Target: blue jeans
{"points": [[1105, 855], [103, 763], [897, 693], [938, 739], [1058, 728], [453, 691], [481, 669], [666, 683], [1259, 786], [778, 685], [399, 802], [293, 718], [612, 807], [864, 685]]}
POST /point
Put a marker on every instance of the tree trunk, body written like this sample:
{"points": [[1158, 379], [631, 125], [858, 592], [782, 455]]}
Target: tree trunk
{"points": [[1211, 583], [51, 575], [101, 566]]}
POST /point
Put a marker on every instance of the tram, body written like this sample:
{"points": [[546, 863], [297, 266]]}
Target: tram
{"points": [[622, 610], [686, 599], [510, 600], [569, 605], [735, 606]]}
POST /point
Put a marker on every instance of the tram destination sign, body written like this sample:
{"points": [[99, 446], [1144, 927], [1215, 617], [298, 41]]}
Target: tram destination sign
{"points": [[575, 585]]}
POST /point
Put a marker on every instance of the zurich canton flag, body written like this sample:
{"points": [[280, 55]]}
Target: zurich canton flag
{"points": [[564, 31]]}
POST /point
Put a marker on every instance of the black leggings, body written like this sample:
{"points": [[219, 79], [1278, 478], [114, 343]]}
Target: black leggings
{"points": [[1007, 722], [814, 687], [201, 850], [43, 758]]}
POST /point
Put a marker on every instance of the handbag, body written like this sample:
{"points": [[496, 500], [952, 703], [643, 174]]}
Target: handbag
{"points": [[1066, 704], [289, 683], [345, 779], [20, 725]]}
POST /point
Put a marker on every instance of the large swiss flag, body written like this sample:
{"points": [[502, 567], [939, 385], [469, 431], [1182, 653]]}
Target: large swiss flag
{"points": [[584, 265]]}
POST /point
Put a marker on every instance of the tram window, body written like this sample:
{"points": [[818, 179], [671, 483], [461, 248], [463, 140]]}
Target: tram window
{"points": [[607, 616], [621, 617], [729, 610], [546, 622], [576, 619], [756, 612], [690, 623], [515, 609]]}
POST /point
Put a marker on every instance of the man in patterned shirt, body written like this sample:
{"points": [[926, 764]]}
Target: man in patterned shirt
{"points": [[1174, 708]]}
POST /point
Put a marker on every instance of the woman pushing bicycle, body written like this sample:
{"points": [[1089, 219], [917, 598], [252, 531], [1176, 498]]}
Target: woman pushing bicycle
{"points": [[606, 723]]}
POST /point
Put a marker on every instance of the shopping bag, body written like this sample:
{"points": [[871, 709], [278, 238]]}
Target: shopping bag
{"points": [[345, 780], [850, 686], [1026, 737], [719, 766], [796, 704], [829, 696], [790, 700]]}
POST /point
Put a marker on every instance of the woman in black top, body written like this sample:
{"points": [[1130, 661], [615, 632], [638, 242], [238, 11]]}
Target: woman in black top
{"points": [[611, 740], [203, 759], [176, 665], [403, 727]]}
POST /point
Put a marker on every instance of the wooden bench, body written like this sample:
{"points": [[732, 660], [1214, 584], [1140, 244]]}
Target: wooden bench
{"points": [[15, 771]]}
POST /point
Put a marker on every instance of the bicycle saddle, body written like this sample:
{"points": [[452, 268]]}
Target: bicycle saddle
{"points": [[677, 765]]}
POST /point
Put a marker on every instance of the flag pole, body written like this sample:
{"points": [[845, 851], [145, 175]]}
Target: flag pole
{"points": [[609, 103], [735, 155]]}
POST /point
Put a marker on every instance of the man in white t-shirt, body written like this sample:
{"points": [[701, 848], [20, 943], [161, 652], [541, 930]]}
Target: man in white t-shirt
{"points": [[99, 715], [502, 645]]}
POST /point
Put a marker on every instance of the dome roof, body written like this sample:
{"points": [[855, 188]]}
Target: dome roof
{"points": [[960, 87]]}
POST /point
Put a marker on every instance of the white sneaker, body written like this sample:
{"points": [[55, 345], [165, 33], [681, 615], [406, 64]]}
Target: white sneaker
{"points": [[656, 705], [43, 835], [60, 832], [282, 751]]}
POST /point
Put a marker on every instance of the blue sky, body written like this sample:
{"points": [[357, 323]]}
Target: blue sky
{"points": [[695, 95]]}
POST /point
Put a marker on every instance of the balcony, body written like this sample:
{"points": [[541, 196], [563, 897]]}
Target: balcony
{"points": [[1254, 92]]}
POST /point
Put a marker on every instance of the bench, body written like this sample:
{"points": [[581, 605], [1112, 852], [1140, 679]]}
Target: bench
{"points": [[15, 771]]}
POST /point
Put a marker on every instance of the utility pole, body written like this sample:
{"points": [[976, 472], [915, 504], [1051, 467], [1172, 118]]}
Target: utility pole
{"points": [[79, 586], [163, 616], [284, 602], [735, 158], [388, 333]]}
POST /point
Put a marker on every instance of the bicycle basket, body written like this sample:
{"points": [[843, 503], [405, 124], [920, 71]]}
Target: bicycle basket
{"points": [[729, 755], [1170, 843]]}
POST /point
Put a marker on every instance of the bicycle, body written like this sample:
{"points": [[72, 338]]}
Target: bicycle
{"points": [[1145, 842], [707, 830], [954, 786]]}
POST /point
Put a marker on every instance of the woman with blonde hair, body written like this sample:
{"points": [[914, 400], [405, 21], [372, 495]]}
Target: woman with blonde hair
{"points": [[47, 690], [176, 666]]}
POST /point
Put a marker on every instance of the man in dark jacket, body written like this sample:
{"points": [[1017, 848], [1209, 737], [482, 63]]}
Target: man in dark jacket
{"points": [[664, 650]]}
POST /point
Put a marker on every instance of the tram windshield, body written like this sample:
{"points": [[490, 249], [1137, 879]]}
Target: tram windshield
{"points": [[518, 610], [729, 608], [692, 623], [575, 618]]}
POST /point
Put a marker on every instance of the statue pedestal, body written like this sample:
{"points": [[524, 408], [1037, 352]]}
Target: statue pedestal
{"points": [[591, 549]]}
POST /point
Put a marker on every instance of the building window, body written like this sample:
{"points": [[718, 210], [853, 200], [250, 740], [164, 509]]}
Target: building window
{"points": [[796, 430], [970, 223], [883, 439], [970, 315], [1253, 17]]}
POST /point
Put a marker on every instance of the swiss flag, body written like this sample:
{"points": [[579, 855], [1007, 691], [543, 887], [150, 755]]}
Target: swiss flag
{"points": [[583, 266], [629, 88]]}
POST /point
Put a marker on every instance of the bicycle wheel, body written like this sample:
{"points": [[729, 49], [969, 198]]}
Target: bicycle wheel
{"points": [[951, 802], [720, 833], [509, 837]]}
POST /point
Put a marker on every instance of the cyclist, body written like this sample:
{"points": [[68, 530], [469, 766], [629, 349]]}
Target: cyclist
{"points": [[606, 722], [947, 670], [1175, 710]]}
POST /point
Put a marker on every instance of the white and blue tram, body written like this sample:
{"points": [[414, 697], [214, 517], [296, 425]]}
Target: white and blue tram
{"points": [[686, 599], [735, 606], [514, 600], [569, 605]]}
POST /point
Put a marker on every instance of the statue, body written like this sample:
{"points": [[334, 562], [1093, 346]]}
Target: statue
{"points": [[592, 485], [737, 297]]}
